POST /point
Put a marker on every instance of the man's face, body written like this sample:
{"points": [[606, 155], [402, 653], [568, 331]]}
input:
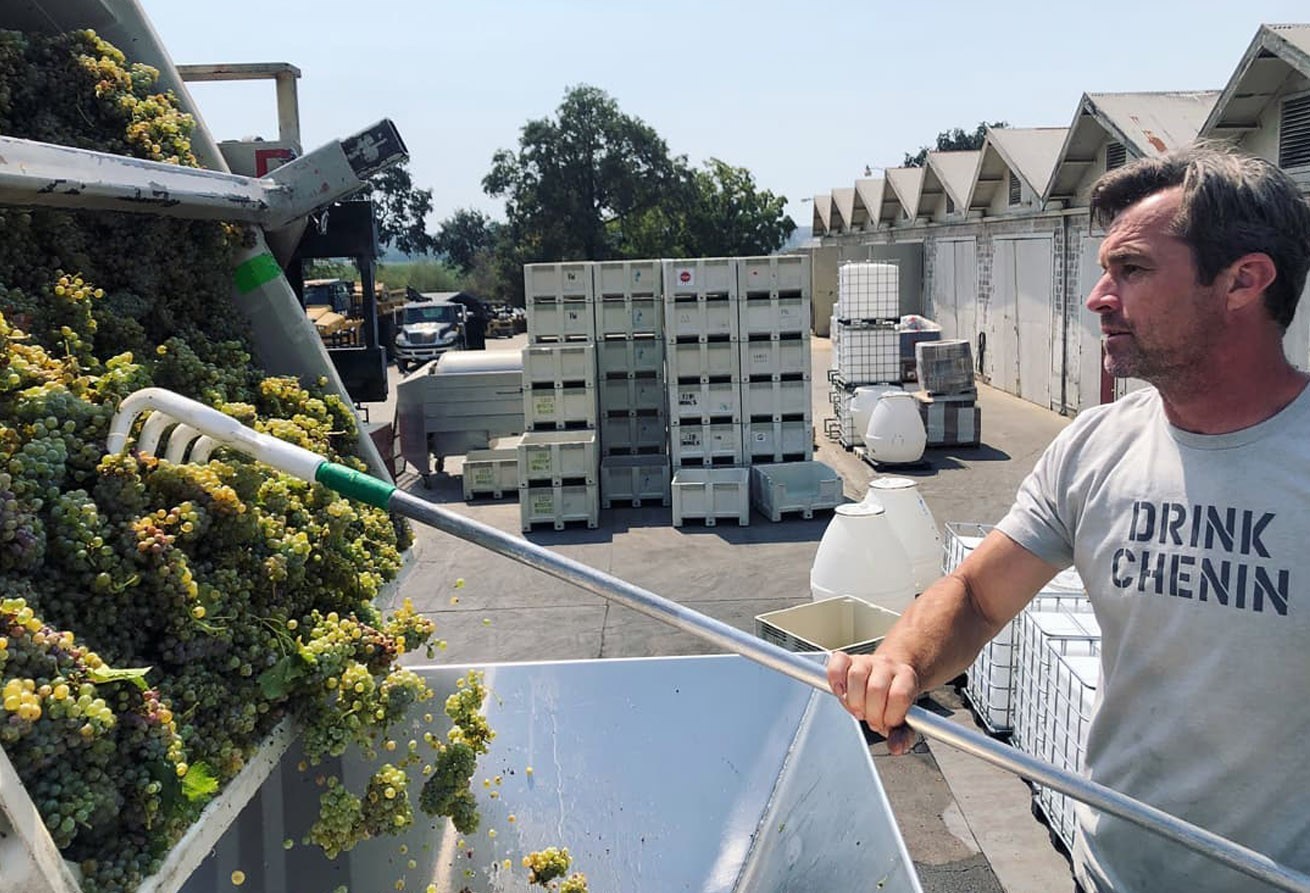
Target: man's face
{"points": [[1157, 321]]}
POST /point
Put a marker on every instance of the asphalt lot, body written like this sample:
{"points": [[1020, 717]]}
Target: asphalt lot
{"points": [[967, 826]]}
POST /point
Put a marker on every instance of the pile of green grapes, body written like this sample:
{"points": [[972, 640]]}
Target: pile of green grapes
{"points": [[158, 620]]}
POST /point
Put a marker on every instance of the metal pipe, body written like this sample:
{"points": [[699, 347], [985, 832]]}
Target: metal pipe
{"points": [[806, 670]]}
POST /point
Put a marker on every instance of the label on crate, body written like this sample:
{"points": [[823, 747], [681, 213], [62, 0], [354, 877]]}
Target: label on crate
{"points": [[571, 275], [543, 503], [483, 476], [544, 406], [690, 438], [685, 277], [684, 317], [761, 437], [759, 357], [687, 398], [573, 315], [539, 460]]}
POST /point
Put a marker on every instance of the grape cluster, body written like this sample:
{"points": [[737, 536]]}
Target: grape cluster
{"points": [[546, 865], [448, 790], [158, 619]]}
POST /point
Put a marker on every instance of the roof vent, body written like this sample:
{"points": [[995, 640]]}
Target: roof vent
{"points": [[1015, 188], [1294, 132], [1115, 155]]}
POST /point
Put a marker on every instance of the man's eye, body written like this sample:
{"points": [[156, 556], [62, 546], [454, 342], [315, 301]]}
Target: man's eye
{"points": [[1130, 269]]}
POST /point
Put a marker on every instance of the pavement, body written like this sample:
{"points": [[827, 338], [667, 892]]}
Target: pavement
{"points": [[968, 826]]}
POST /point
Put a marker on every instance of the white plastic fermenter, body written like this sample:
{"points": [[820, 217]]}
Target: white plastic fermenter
{"points": [[895, 433], [913, 523], [863, 401], [861, 556]]}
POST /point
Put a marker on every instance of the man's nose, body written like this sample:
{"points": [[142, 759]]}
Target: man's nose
{"points": [[1103, 298]]}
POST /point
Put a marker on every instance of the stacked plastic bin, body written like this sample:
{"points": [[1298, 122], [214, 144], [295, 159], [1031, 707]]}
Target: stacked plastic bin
{"points": [[702, 326], [866, 345], [629, 326], [558, 459]]}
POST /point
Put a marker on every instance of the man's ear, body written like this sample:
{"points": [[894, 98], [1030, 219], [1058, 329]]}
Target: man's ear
{"points": [[1248, 278]]}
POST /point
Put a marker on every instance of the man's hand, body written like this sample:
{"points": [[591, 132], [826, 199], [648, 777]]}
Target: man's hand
{"points": [[877, 690]]}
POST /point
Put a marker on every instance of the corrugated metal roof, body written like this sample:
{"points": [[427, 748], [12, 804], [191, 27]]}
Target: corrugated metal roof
{"points": [[868, 196], [1297, 35], [1031, 152], [843, 201], [1154, 123], [906, 184], [1258, 77], [956, 171]]}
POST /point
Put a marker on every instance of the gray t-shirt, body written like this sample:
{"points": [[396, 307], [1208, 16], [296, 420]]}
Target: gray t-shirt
{"points": [[1195, 550]]}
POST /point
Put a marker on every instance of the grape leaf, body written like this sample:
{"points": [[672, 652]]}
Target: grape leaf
{"points": [[199, 782], [278, 680], [135, 675]]}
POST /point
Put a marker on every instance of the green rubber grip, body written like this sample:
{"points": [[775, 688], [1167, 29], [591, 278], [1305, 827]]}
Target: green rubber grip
{"points": [[355, 484]]}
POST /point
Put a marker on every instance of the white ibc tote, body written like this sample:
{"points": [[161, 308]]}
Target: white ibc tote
{"points": [[895, 433], [863, 401], [912, 522], [861, 556]]}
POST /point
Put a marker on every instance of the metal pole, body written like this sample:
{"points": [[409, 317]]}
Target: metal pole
{"points": [[806, 670]]}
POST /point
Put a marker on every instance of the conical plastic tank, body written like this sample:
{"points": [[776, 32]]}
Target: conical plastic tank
{"points": [[895, 433], [863, 402], [913, 524], [860, 555]]}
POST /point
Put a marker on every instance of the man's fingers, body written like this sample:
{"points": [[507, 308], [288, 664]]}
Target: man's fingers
{"points": [[838, 663], [901, 691]]}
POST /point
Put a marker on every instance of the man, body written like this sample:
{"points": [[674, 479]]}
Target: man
{"points": [[1186, 509]]}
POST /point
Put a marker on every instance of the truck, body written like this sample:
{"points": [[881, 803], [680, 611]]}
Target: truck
{"points": [[428, 329]]}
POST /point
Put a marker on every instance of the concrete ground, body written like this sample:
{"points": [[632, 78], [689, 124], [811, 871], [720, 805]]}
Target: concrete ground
{"points": [[968, 826]]}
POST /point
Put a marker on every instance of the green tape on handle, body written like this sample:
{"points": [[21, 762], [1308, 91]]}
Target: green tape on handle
{"points": [[260, 269], [355, 484]]}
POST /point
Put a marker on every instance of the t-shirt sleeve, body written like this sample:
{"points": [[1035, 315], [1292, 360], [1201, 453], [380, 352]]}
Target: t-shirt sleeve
{"points": [[1040, 518]]}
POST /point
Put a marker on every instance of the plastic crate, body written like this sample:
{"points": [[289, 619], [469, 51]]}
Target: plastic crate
{"points": [[774, 400], [556, 456], [867, 354], [633, 435], [633, 396], [775, 359], [627, 316], [1039, 636], [711, 494], [700, 276], [559, 365], [558, 281], [794, 487], [701, 318], [772, 274], [714, 444], [561, 319], [774, 316], [559, 506], [627, 278], [703, 361], [493, 472], [833, 624], [704, 401], [635, 480], [868, 291], [630, 358], [557, 408], [779, 441]]}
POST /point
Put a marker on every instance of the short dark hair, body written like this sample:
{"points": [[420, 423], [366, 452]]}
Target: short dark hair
{"points": [[1233, 204]]}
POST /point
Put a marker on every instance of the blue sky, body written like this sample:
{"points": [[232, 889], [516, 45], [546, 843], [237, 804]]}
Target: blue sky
{"points": [[804, 95]]}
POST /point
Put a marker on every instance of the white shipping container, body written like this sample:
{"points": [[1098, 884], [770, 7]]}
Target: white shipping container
{"points": [[774, 316], [702, 318], [554, 456], [558, 506], [632, 396], [630, 358], [773, 274], [700, 276], [629, 317], [704, 360], [867, 355], [630, 278], [634, 479], [625, 435], [794, 487], [779, 441], [711, 493], [559, 364], [567, 407], [702, 401], [775, 359], [715, 444], [868, 291], [772, 400], [561, 320], [560, 280]]}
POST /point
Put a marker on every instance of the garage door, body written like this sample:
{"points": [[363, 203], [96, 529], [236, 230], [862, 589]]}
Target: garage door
{"points": [[1023, 275]]}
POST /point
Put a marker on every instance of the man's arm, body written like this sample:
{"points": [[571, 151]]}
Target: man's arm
{"points": [[938, 636]]}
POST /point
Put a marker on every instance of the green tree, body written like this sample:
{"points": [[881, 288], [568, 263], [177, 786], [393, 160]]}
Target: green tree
{"points": [[730, 217], [402, 210], [575, 179], [465, 238], [955, 140]]}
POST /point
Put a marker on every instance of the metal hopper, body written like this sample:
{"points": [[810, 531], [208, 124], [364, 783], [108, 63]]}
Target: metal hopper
{"points": [[707, 774]]}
